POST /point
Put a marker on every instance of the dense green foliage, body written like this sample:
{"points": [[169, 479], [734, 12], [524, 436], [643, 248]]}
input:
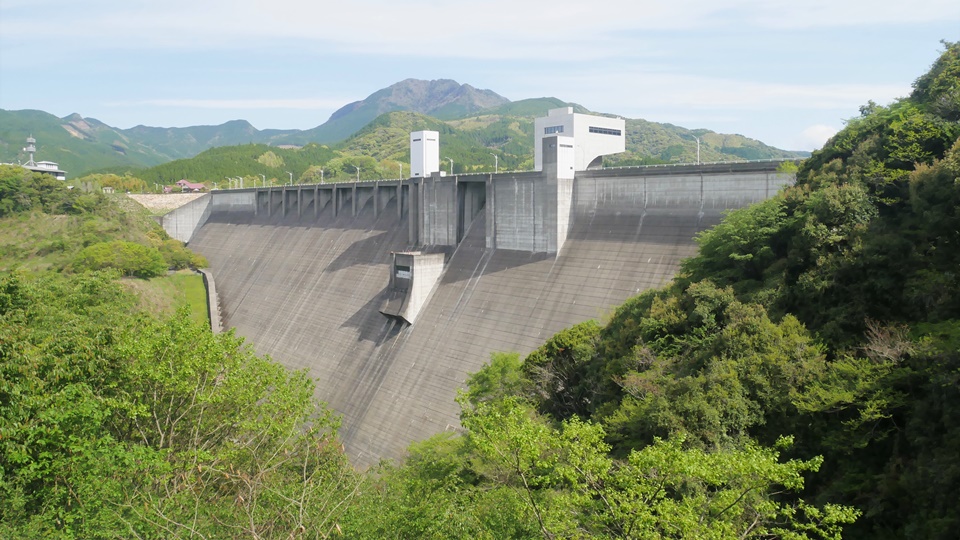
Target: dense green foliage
{"points": [[128, 258], [248, 161], [22, 190], [518, 474], [126, 183], [117, 425]]}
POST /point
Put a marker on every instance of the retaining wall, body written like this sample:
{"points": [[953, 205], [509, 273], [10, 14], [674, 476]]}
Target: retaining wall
{"points": [[186, 220]]}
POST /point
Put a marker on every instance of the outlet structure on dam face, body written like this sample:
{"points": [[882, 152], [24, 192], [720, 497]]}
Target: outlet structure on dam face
{"points": [[391, 293]]}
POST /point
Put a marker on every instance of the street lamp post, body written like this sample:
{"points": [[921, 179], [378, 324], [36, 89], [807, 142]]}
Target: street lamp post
{"points": [[496, 163], [358, 172], [451, 165], [291, 177], [401, 171], [321, 175], [264, 184], [698, 148]]}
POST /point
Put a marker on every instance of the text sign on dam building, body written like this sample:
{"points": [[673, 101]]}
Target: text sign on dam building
{"points": [[391, 293]]}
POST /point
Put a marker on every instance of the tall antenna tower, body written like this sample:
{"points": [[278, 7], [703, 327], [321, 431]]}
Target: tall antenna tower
{"points": [[30, 149]]}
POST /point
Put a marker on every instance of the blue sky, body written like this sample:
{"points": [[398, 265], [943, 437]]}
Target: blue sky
{"points": [[787, 73]]}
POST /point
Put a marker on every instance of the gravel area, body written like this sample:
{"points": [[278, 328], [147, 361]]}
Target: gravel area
{"points": [[165, 202]]}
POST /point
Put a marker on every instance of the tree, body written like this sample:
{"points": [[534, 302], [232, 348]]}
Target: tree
{"points": [[129, 258], [242, 446], [118, 425], [574, 489]]}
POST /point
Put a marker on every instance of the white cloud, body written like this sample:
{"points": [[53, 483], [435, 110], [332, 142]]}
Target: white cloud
{"points": [[813, 137], [644, 90], [491, 29]]}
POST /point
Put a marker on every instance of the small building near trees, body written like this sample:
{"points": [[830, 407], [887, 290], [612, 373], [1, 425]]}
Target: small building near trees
{"points": [[186, 185]]}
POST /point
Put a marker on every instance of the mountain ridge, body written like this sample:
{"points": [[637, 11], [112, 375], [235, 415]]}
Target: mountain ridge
{"points": [[82, 145]]}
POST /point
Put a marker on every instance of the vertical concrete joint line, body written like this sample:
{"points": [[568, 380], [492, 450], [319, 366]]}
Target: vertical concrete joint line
{"points": [[644, 192], [457, 212], [701, 189]]}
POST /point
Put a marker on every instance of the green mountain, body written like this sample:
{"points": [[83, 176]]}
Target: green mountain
{"points": [[534, 107], [652, 142], [81, 145], [474, 123], [76, 144], [177, 143], [380, 147], [443, 98], [470, 141]]}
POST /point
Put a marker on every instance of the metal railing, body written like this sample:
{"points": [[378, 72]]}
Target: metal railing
{"points": [[653, 166]]}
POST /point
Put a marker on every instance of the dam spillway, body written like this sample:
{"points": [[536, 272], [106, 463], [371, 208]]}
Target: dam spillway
{"points": [[303, 273]]}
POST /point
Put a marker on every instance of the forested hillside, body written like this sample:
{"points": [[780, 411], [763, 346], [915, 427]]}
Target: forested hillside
{"points": [[248, 161], [800, 378]]}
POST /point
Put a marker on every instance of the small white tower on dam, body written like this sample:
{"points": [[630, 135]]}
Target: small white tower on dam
{"points": [[424, 153], [593, 136]]}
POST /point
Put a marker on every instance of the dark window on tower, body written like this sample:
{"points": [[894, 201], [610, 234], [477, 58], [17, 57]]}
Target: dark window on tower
{"points": [[605, 131]]}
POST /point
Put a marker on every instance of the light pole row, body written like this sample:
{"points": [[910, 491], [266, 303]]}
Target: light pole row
{"points": [[238, 181]]}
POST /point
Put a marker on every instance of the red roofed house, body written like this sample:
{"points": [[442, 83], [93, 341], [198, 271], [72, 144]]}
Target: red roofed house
{"points": [[186, 185]]}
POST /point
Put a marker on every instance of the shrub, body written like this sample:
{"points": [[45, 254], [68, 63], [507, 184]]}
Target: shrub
{"points": [[129, 258]]}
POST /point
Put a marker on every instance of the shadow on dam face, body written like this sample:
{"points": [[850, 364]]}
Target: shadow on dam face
{"points": [[307, 291]]}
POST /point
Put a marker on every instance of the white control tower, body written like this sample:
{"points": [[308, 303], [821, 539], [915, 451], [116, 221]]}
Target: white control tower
{"points": [[593, 136], [424, 153]]}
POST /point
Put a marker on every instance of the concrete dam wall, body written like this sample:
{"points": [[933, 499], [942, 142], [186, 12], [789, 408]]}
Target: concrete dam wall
{"points": [[307, 274]]}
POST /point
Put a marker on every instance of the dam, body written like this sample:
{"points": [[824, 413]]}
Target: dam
{"points": [[390, 293]]}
